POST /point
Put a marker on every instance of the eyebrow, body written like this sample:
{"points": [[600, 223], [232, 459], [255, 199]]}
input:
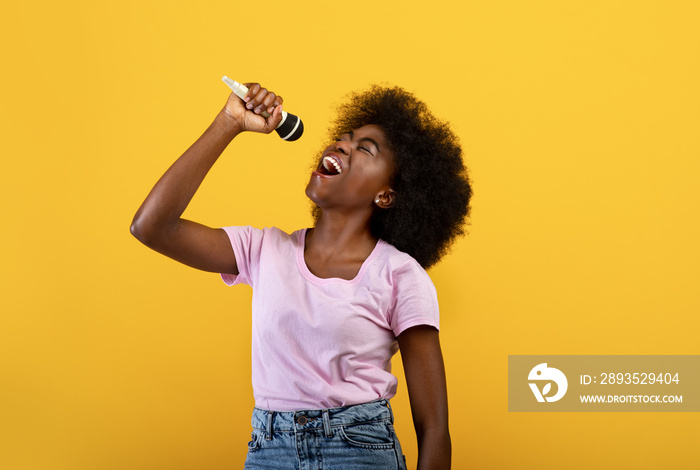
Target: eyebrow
{"points": [[352, 136]]}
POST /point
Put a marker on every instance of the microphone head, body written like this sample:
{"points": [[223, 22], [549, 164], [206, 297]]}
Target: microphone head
{"points": [[290, 128]]}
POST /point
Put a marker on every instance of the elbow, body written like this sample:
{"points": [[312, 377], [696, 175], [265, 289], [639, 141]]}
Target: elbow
{"points": [[142, 230], [136, 229], [152, 229]]}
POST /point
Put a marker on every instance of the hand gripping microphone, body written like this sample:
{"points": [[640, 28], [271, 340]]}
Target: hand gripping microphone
{"points": [[291, 126]]}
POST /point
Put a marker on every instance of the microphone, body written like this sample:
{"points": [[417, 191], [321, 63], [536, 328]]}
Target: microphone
{"points": [[291, 126]]}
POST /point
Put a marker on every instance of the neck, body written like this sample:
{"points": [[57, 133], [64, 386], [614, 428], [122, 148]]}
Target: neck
{"points": [[338, 235]]}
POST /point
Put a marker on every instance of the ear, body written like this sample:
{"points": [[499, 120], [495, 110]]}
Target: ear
{"points": [[385, 199]]}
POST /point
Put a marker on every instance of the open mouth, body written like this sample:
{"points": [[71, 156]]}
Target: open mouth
{"points": [[330, 166]]}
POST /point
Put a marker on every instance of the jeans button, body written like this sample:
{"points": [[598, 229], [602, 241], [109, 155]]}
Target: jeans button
{"points": [[302, 420]]}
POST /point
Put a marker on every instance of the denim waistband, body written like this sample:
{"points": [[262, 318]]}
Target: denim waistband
{"points": [[304, 420]]}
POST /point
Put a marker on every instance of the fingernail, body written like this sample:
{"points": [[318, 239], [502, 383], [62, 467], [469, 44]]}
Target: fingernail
{"points": [[249, 106], [247, 98], [257, 110]]}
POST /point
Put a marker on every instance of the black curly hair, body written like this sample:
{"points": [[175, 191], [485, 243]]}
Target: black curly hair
{"points": [[431, 182]]}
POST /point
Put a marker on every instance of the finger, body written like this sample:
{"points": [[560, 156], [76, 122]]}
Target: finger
{"points": [[253, 88], [257, 101], [269, 102], [278, 102]]}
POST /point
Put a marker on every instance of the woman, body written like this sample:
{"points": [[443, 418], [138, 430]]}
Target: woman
{"points": [[332, 304]]}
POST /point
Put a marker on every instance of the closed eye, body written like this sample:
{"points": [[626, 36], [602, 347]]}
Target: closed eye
{"points": [[365, 149]]}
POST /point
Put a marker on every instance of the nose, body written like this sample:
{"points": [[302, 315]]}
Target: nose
{"points": [[343, 146]]}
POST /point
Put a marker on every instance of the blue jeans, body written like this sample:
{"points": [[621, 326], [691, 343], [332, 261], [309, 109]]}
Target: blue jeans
{"points": [[354, 437]]}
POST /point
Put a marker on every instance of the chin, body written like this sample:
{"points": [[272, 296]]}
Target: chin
{"points": [[311, 194]]}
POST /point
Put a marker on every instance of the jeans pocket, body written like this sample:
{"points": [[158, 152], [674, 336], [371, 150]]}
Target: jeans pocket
{"points": [[367, 436]]}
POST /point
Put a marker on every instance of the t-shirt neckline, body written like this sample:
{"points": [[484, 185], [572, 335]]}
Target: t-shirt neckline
{"points": [[301, 263]]}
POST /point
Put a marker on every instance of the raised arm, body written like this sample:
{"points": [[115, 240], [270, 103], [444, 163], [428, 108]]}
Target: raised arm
{"points": [[158, 223], [427, 390]]}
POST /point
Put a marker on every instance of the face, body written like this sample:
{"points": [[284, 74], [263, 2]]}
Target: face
{"points": [[354, 172]]}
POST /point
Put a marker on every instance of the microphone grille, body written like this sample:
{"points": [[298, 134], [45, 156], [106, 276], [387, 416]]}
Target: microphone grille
{"points": [[291, 128]]}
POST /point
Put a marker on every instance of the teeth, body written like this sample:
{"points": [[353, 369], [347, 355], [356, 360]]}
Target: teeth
{"points": [[327, 161]]}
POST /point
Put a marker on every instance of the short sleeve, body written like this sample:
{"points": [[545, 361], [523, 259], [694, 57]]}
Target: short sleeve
{"points": [[246, 242], [414, 299]]}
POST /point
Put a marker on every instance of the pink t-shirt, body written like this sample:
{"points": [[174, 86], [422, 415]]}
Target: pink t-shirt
{"points": [[325, 343]]}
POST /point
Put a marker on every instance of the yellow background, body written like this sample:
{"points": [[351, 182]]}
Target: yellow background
{"points": [[579, 121]]}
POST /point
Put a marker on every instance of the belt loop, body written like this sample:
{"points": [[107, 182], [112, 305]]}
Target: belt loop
{"points": [[391, 412], [327, 424], [270, 414]]}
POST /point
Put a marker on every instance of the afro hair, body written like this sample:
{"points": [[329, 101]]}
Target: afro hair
{"points": [[430, 179]]}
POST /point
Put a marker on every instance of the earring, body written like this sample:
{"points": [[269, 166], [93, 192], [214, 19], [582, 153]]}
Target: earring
{"points": [[376, 201]]}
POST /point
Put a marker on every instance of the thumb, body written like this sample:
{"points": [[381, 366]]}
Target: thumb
{"points": [[275, 118]]}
